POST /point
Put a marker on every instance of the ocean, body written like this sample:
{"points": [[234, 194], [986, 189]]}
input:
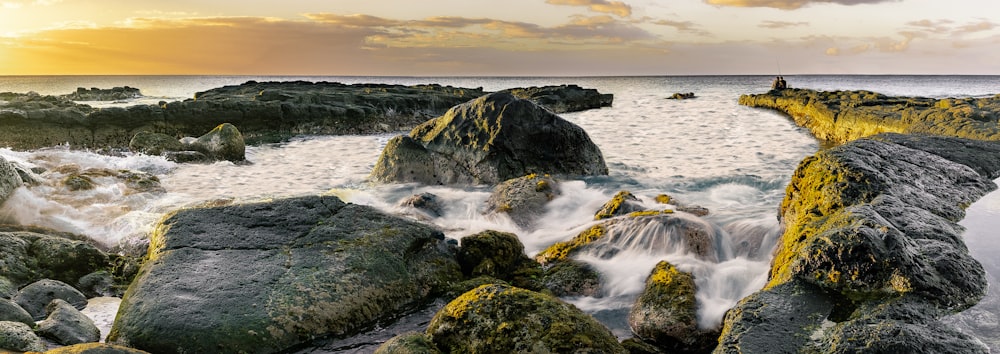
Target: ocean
{"points": [[707, 151]]}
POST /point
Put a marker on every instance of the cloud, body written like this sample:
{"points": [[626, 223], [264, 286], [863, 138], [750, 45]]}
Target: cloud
{"points": [[781, 24], [933, 26], [618, 8], [981, 26], [682, 26], [790, 4]]}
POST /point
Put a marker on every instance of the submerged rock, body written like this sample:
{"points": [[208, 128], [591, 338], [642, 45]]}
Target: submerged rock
{"points": [[523, 199], [488, 140], [871, 236], [426, 204], [842, 116], [267, 277], [497, 318]]}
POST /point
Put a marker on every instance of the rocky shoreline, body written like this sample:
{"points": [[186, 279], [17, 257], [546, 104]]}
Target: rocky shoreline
{"points": [[842, 116], [263, 111], [871, 257]]}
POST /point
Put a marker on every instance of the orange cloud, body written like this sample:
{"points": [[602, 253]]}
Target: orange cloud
{"points": [[790, 4], [781, 24], [618, 8]]}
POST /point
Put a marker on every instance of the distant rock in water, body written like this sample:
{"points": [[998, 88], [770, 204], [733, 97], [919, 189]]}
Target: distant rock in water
{"points": [[112, 94], [682, 96], [872, 256], [225, 142], [491, 139], [564, 98], [842, 116]]}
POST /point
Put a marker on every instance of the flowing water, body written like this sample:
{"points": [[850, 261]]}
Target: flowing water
{"points": [[708, 151]]}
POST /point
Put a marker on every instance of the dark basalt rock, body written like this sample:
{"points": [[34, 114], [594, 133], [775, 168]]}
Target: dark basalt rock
{"points": [[66, 325], [488, 140], [267, 277], [97, 94], [36, 296], [872, 248], [564, 98]]}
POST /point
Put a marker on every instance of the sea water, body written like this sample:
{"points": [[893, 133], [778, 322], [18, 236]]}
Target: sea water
{"points": [[707, 151]]}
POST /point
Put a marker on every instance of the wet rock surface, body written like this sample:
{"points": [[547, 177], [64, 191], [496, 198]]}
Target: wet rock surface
{"points": [[564, 98], [872, 246], [267, 277]]}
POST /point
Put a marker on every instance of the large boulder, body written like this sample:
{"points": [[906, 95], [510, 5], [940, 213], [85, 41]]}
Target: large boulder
{"points": [[497, 318], [66, 325], [870, 230], [265, 277], [151, 143], [523, 199], [491, 139], [222, 143], [666, 313]]}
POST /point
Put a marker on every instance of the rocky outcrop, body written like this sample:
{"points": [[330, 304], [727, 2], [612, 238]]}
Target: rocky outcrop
{"points": [[488, 140], [266, 277], [97, 94], [842, 116], [666, 313], [497, 318], [523, 199], [264, 112], [564, 98], [224, 143], [871, 256], [682, 96]]}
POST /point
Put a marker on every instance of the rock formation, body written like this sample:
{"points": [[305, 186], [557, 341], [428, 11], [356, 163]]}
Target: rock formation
{"points": [[564, 98], [871, 257], [842, 116], [97, 94], [666, 313], [266, 277], [488, 140], [523, 199]]}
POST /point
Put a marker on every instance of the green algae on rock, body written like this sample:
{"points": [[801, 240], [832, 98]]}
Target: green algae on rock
{"points": [[666, 312], [841, 116], [497, 318], [488, 140], [871, 237]]}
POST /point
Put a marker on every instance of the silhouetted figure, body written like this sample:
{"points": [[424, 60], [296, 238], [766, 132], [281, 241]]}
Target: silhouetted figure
{"points": [[779, 83]]}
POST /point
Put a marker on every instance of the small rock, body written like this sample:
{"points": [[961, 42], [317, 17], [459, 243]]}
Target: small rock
{"points": [[67, 326], [18, 336], [34, 297], [12, 312]]}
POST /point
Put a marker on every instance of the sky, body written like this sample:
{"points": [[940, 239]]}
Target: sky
{"points": [[498, 38]]}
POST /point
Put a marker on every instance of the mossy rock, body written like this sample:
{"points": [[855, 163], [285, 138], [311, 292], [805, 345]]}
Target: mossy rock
{"points": [[30, 256], [503, 319], [95, 348], [224, 142], [563, 250], [409, 343], [150, 143], [499, 255], [667, 313], [622, 203]]}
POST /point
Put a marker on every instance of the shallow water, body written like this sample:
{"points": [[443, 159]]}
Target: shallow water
{"points": [[708, 151]]}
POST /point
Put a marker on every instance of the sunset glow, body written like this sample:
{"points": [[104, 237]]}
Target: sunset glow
{"points": [[519, 37]]}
